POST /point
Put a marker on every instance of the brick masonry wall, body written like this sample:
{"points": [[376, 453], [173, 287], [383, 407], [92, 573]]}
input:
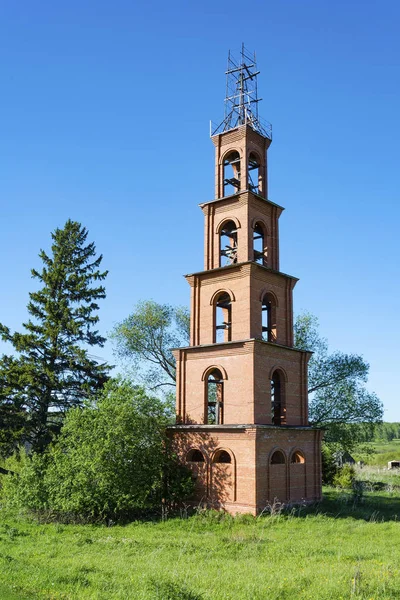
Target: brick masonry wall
{"points": [[236, 363], [246, 368], [250, 482], [245, 141], [245, 209], [221, 483], [246, 284]]}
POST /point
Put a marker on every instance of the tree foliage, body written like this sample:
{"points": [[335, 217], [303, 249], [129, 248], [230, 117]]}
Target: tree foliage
{"points": [[386, 432], [381, 432], [111, 460], [12, 411], [338, 397], [52, 370], [146, 337]]}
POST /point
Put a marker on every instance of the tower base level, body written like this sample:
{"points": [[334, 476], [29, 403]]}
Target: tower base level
{"points": [[250, 468]]}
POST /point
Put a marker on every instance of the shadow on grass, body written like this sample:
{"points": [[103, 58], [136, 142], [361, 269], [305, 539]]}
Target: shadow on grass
{"points": [[7, 594], [372, 506], [171, 590], [378, 506]]}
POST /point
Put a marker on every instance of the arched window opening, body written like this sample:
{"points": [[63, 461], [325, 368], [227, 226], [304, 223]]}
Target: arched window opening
{"points": [[223, 319], [277, 458], [297, 457], [259, 241], [277, 407], [268, 317], [231, 173], [253, 171], [215, 398], [222, 456], [228, 244], [195, 456]]}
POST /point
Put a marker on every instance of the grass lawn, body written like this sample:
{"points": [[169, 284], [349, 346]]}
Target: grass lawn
{"points": [[331, 551]]}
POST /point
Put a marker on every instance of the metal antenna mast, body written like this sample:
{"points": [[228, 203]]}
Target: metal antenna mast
{"points": [[241, 98]]}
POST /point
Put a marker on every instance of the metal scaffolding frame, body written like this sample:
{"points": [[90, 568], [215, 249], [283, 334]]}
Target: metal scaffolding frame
{"points": [[241, 97]]}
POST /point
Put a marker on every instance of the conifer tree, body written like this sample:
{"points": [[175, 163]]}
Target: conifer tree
{"points": [[52, 370]]}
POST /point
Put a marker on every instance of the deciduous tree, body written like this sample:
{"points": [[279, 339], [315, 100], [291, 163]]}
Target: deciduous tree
{"points": [[338, 396], [146, 337]]}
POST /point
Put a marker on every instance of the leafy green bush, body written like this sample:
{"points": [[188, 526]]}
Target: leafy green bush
{"points": [[344, 477], [26, 488], [329, 468], [111, 460]]}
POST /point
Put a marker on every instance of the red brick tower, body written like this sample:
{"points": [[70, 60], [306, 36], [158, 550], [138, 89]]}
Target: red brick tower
{"points": [[242, 406]]}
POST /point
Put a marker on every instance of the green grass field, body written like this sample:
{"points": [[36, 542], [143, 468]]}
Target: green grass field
{"points": [[331, 551], [383, 452], [338, 549]]}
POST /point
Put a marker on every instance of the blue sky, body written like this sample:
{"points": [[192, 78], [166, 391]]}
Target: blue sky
{"points": [[105, 110]]}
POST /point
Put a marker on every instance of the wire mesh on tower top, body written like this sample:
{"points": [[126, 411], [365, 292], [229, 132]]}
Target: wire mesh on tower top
{"points": [[241, 98]]}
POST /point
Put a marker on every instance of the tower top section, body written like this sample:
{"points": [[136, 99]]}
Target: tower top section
{"points": [[241, 98]]}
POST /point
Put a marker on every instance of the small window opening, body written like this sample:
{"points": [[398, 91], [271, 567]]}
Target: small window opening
{"points": [[297, 458], [228, 244], [231, 173], [268, 321], [222, 457], [259, 244], [253, 174], [195, 456], [223, 321], [277, 458], [215, 398], [277, 409]]}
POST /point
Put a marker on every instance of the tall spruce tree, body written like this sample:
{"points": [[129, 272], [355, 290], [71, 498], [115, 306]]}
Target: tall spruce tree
{"points": [[52, 370]]}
